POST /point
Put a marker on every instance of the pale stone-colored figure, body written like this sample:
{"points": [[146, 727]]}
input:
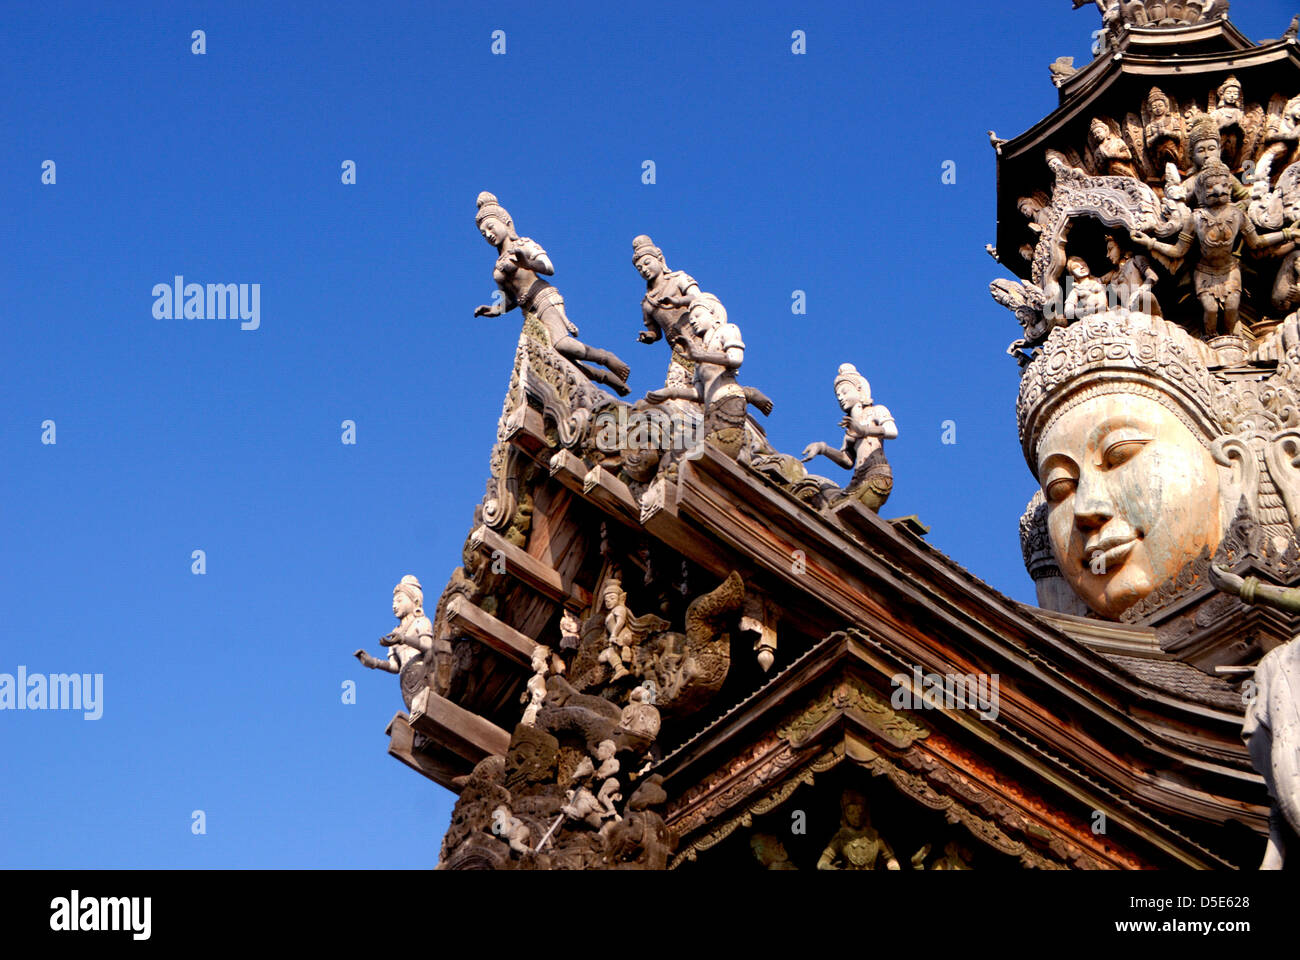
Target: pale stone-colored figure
{"points": [[867, 425], [534, 695], [520, 265], [856, 845], [664, 307], [1272, 726], [1215, 227], [413, 634], [666, 311], [511, 829], [1204, 147], [570, 631], [717, 351], [1087, 294]]}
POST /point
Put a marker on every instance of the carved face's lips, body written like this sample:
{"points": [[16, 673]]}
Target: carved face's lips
{"points": [[1113, 550]]}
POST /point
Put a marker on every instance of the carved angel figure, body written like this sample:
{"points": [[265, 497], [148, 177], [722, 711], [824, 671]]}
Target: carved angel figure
{"points": [[718, 351], [866, 426], [666, 309], [856, 845], [623, 632], [1215, 227], [520, 265], [413, 634]]}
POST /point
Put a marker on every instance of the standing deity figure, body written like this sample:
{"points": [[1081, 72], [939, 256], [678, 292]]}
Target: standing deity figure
{"points": [[866, 426], [1272, 725], [520, 264], [413, 634], [665, 310], [718, 352], [1229, 113], [856, 845], [1163, 130], [1114, 158], [1215, 227], [570, 631]]}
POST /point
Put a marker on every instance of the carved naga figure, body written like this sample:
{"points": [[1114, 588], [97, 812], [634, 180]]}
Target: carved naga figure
{"points": [[520, 265], [1272, 726], [866, 426]]}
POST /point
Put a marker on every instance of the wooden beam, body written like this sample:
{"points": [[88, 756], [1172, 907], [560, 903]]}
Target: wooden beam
{"points": [[529, 570], [465, 734], [442, 769], [478, 623]]}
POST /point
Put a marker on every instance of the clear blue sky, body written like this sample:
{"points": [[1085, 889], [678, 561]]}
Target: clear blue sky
{"points": [[775, 172]]}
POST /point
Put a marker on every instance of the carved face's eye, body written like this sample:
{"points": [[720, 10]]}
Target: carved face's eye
{"points": [[1057, 490], [1123, 451]]}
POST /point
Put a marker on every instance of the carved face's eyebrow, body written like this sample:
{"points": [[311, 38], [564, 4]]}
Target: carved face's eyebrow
{"points": [[1130, 422], [1054, 461]]}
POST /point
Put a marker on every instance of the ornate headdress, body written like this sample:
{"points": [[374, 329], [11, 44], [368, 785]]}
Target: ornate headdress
{"points": [[1109, 354], [1232, 83], [642, 245], [411, 587], [848, 373], [489, 207], [1158, 95], [1203, 128], [1214, 170], [712, 304]]}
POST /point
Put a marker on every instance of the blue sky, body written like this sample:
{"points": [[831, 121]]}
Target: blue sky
{"points": [[775, 172]]}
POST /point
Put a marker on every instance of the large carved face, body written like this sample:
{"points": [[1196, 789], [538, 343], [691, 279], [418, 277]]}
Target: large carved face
{"points": [[402, 604], [1132, 497]]}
